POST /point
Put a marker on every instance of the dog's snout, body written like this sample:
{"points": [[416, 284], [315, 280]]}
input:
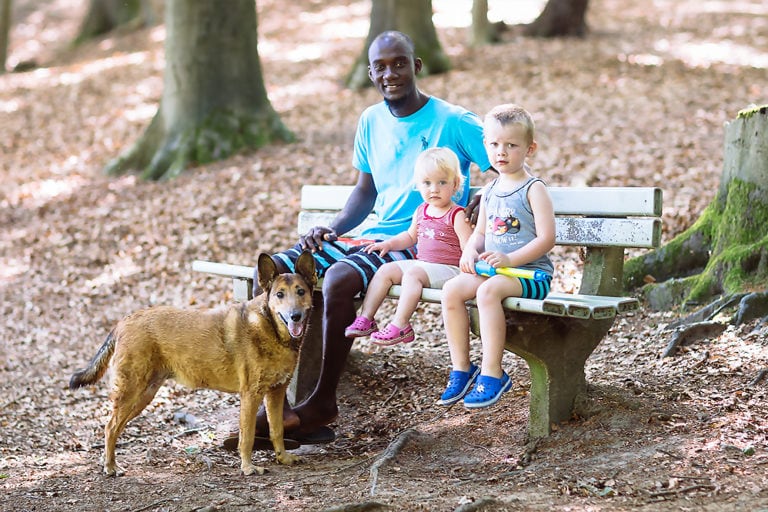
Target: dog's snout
{"points": [[296, 316]]}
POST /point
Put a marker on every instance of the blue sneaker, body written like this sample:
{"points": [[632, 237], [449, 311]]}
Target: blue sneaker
{"points": [[487, 391], [458, 384]]}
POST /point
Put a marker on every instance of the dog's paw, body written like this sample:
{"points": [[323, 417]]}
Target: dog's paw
{"points": [[250, 469], [287, 458], [113, 470]]}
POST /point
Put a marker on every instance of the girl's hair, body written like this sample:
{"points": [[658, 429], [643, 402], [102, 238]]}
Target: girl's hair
{"points": [[443, 159], [510, 113]]}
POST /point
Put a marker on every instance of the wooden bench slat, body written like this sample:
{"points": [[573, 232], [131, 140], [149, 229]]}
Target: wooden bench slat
{"points": [[587, 201], [642, 232], [223, 269]]}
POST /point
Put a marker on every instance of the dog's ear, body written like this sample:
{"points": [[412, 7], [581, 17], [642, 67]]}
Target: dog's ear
{"points": [[305, 267], [266, 270]]}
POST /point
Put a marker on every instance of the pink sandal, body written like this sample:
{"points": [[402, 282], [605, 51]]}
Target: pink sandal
{"points": [[392, 335], [360, 327]]}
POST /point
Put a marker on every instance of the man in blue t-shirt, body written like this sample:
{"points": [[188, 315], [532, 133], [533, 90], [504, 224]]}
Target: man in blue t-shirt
{"points": [[389, 137]]}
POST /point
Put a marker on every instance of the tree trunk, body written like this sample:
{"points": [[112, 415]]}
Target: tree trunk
{"points": [[482, 32], [726, 250], [5, 29], [105, 15], [560, 18], [412, 17], [214, 101]]}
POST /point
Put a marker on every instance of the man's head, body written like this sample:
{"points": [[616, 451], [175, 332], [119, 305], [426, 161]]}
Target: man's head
{"points": [[392, 66]]}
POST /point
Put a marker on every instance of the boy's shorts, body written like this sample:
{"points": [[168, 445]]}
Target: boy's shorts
{"points": [[354, 255], [535, 289]]}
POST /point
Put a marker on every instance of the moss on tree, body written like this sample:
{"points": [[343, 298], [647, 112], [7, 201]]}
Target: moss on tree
{"points": [[726, 250]]}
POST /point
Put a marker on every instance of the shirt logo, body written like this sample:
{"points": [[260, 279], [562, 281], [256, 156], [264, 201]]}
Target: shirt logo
{"points": [[502, 226]]}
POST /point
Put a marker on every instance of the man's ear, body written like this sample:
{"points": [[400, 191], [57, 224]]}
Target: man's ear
{"points": [[370, 75], [417, 65]]}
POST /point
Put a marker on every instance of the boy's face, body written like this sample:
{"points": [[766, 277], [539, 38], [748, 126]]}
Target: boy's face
{"points": [[507, 146]]}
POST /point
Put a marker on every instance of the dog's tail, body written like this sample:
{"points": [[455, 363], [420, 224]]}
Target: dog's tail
{"points": [[98, 365]]}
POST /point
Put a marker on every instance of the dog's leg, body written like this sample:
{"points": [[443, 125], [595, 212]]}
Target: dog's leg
{"points": [[127, 402], [249, 405], [274, 405]]}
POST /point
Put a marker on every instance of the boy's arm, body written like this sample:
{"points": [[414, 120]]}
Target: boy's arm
{"points": [[544, 217]]}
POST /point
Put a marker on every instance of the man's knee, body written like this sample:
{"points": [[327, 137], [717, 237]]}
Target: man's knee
{"points": [[341, 282]]}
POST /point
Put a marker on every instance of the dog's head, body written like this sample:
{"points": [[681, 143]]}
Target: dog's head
{"points": [[289, 296]]}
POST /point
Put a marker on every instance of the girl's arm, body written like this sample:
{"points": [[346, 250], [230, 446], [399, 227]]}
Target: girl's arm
{"points": [[462, 228], [544, 217], [398, 242]]}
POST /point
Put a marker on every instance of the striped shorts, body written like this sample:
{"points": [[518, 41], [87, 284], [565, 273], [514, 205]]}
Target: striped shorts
{"points": [[535, 289], [354, 255]]}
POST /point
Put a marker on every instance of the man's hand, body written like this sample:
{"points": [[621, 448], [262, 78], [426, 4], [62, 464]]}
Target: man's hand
{"points": [[473, 210], [314, 238]]}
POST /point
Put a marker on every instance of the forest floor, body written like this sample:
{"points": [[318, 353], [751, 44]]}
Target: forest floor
{"points": [[641, 101]]}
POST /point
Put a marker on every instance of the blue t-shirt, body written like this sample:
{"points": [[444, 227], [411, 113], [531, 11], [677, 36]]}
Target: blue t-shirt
{"points": [[387, 146]]}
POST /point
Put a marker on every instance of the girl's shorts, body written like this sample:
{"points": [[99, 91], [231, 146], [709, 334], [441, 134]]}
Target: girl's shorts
{"points": [[437, 273]]}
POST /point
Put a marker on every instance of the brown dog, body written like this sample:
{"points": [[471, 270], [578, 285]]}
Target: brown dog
{"points": [[250, 349]]}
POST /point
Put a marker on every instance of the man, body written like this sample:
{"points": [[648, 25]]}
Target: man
{"points": [[389, 137]]}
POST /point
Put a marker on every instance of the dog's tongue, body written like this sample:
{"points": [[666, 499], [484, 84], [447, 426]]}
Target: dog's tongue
{"points": [[295, 328]]}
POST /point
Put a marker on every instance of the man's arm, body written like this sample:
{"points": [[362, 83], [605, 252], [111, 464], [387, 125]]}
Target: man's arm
{"points": [[357, 208]]}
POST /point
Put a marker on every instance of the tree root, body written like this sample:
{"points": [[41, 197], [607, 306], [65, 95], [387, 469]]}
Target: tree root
{"points": [[481, 504], [699, 324], [759, 378], [390, 453], [366, 506], [691, 333]]}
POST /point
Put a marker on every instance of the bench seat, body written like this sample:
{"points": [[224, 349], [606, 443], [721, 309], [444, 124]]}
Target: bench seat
{"points": [[556, 335]]}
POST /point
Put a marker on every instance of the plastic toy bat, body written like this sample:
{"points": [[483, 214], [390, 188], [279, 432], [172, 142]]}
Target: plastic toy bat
{"points": [[484, 269]]}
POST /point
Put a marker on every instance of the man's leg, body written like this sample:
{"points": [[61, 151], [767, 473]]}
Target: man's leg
{"points": [[340, 286]]}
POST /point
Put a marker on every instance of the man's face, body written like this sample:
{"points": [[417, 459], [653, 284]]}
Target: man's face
{"points": [[392, 69]]}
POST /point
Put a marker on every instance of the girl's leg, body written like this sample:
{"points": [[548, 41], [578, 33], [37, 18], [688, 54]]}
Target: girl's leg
{"points": [[493, 327], [413, 282], [456, 292], [383, 279]]}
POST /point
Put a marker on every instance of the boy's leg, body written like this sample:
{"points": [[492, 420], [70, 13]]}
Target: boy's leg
{"points": [[456, 292], [493, 325]]}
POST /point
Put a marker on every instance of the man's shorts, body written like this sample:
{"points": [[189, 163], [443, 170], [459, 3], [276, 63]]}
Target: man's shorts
{"points": [[340, 252]]}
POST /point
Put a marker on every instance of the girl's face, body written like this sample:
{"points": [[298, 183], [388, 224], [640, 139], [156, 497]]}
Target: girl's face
{"points": [[436, 187], [507, 146]]}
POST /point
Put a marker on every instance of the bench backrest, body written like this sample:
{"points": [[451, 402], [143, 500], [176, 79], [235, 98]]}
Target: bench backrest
{"points": [[585, 216]]}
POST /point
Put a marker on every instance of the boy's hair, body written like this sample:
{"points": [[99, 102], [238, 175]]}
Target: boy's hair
{"points": [[439, 158], [509, 113]]}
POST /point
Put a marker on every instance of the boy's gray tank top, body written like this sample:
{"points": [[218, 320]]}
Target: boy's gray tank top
{"points": [[510, 223]]}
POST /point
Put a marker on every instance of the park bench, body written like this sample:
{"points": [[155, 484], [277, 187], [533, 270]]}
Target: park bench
{"points": [[555, 336]]}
